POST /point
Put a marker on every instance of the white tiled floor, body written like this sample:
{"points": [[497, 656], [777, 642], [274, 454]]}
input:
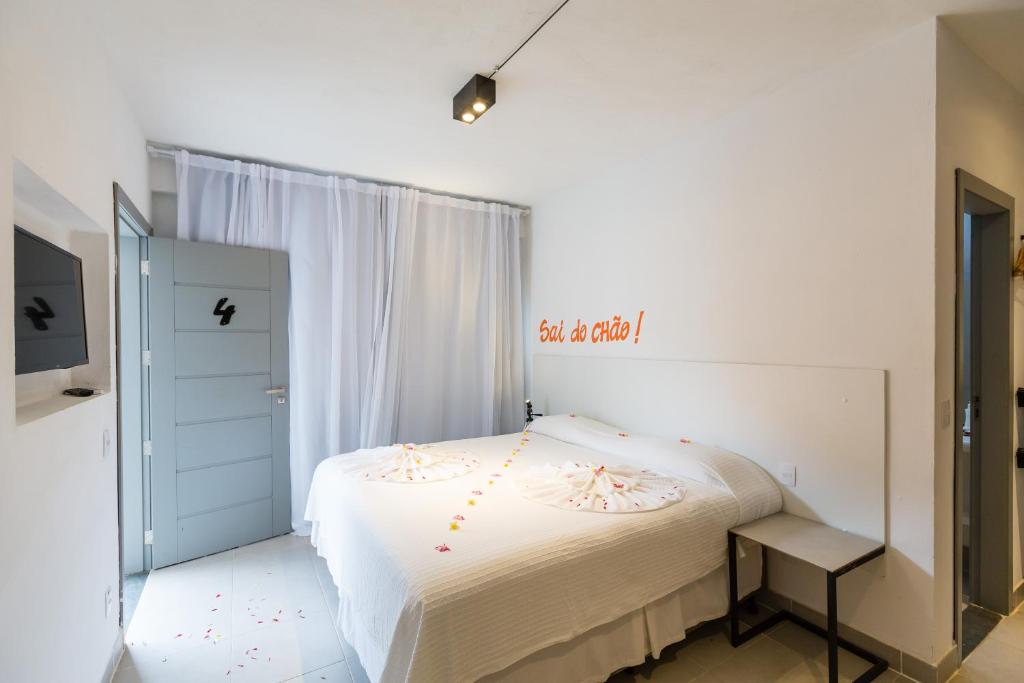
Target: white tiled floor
{"points": [[266, 612]]}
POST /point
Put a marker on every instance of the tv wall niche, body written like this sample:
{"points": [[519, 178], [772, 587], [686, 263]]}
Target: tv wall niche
{"points": [[43, 212]]}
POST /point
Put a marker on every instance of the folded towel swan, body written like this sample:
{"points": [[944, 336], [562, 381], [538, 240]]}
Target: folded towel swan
{"points": [[409, 464]]}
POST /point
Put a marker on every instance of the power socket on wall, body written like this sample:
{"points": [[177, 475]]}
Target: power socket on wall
{"points": [[787, 474]]}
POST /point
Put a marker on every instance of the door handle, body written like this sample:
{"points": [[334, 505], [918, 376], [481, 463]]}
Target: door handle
{"points": [[275, 390]]}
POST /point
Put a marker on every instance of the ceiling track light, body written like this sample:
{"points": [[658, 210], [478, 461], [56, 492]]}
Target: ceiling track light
{"points": [[480, 93], [474, 99]]}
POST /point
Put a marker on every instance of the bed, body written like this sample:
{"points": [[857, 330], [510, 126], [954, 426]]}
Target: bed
{"points": [[465, 579]]}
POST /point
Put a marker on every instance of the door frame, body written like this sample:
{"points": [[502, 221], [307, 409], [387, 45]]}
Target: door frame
{"points": [[977, 197], [140, 226]]}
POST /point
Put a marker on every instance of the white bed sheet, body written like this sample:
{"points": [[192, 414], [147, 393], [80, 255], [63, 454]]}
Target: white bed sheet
{"points": [[519, 577]]}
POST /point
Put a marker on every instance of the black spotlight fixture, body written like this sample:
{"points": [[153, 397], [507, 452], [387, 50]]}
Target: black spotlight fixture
{"points": [[479, 95], [475, 98]]}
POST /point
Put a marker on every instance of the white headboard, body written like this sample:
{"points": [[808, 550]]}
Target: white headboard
{"points": [[828, 422]]}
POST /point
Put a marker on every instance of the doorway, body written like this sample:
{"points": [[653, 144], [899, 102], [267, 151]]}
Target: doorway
{"points": [[983, 460], [203, 413], [132, 330]]}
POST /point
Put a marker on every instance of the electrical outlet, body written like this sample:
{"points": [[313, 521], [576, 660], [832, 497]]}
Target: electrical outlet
{"points": [[108, 602], [106, 443], [787, 473]]}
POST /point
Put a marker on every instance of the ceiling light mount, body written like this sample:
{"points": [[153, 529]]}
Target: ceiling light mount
{"points": [[480, 94]]}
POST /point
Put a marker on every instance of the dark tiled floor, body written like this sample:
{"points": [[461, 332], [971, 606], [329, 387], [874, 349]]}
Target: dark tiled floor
{"points": [[1000, 657], [977, 623], [784, 654]]}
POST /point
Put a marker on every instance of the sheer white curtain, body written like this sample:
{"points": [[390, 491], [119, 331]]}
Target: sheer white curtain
{"points": [[460, 355], [406, 313]]}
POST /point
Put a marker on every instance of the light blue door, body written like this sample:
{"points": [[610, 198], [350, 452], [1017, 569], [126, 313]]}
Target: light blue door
{"points": [[219, 342]]}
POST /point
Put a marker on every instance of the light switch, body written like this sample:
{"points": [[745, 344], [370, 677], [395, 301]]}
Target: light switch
{"points": [[106, 443], [787, 473], [945, 414]]}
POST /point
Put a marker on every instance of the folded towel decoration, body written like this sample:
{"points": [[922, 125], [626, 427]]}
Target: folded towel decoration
{"points": [[410, 464], [600, 488]]}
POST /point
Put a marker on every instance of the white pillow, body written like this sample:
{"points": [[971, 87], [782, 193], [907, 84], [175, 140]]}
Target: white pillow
{"points": [[754, 489], [661, 455], [574, 429]]}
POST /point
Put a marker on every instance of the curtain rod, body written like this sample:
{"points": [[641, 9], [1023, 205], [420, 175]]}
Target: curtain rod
{"points": [[164, 151]]}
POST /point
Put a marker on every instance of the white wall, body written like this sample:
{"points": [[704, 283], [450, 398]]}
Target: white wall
{"points": [[980, 128], [797, 230], [62, 115]]}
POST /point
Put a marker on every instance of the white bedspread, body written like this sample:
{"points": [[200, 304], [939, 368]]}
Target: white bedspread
{"points": [[421, 602]]}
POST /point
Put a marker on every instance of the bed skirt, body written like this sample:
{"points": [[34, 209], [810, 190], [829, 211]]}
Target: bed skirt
{"points": [[595, 655]]}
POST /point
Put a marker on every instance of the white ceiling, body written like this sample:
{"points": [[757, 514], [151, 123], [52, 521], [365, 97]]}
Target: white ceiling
{"points": [[997, 36], [364, 88]]}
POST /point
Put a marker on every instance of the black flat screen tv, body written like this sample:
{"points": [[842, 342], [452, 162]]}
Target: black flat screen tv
{"points": [[49, 306]]}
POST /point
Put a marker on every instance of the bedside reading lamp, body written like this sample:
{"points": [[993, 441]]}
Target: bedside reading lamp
{"points": [[529, 412]]}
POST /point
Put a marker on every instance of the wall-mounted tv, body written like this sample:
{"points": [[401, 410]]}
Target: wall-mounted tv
{"points": [[49, 307]]}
